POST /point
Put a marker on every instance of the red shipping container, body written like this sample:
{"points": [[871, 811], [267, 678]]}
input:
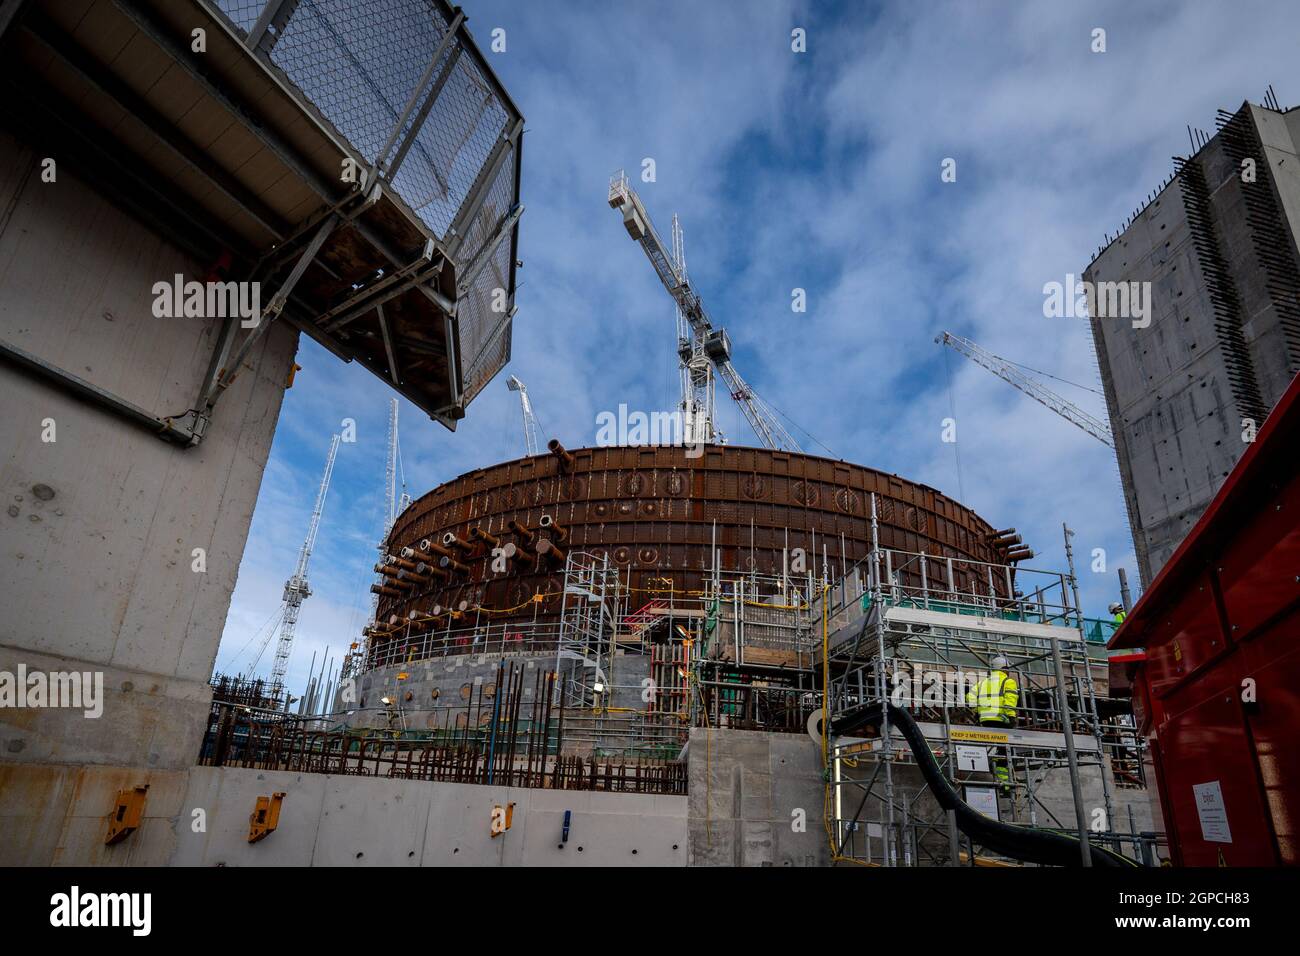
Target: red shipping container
{"points": [[1217, 694]]}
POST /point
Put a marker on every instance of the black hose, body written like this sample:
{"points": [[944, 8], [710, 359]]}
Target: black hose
{"points": [[1030, 844]]}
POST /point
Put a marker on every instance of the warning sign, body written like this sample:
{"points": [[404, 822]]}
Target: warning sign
{"points": [[981, 736]]}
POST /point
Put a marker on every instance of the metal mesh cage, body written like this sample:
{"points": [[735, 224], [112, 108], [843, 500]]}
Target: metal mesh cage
{"points": [[364, 65], [484, 310], [242, 13]]}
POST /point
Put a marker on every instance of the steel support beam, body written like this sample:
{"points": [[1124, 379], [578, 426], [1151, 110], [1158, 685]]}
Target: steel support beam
{"points": [[469, 209], [216, 366], [391, 172], [272, 310], [481, 258], [326, 189], [388, 347], [382, 157], [372, 302], [165, 428], [276, 14], [331, 192], [390, 286]]}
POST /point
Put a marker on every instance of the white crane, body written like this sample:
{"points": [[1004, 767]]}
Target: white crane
{"points": [[700, 347], [390, 473], [1036, 390], [530, 419], [393, 504], [296, 589]]}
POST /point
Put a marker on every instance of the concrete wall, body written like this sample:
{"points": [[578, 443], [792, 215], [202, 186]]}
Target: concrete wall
{"points": [[746, 789], [440, 688], [1175, 419], [755, 799], [98, 526], [200, 818]]}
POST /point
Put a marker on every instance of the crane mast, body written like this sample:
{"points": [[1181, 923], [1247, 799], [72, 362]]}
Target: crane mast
{"points": [[296, 589], [392, 507], [1033, 388], [530, 420], [390, 471], [707, 349], [699, 423]]}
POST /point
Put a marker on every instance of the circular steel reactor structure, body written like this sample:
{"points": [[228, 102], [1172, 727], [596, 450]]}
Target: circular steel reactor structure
{"points": [[496, 537]]}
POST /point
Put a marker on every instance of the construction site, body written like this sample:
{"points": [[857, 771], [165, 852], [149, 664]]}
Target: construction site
{"points": [[709, 651]]}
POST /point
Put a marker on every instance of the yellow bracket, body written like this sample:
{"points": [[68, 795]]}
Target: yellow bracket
{"points": [[265, 817], [126, 815]]}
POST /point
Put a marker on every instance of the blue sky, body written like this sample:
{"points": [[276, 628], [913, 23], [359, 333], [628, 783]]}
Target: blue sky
{"points": [[819, 171]]}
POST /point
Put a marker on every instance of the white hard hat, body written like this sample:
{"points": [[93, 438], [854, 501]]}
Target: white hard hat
{"points": [[999, 663], [1116, 608]]}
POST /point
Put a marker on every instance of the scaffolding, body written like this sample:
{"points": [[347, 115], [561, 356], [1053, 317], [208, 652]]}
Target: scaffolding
{"points": [[899, 631], [638, 668], [593, 604]]}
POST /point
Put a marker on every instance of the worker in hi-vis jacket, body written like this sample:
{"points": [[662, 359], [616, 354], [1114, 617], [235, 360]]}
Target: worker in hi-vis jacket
{"points": [[994, 700]]}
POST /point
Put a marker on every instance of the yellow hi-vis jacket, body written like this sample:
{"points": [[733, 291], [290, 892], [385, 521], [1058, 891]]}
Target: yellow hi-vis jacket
{"points": [[995, 698]]}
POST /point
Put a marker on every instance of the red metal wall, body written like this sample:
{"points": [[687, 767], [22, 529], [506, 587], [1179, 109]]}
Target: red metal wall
{"points": [[1218, 696]]}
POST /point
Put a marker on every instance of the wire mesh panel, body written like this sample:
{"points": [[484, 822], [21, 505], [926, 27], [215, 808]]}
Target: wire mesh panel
{"points": [[360, 61], [242, 13], [484, 311]]}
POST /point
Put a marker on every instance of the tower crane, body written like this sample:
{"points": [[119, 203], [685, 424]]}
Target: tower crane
{"points": [[530, 419], [1032, 387], [296, 589], [393, 504], [701, 348]]}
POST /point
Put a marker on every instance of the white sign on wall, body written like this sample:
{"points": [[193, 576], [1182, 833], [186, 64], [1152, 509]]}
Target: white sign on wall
{"points": [[975, 759], [1213, 814], [984, 800]]}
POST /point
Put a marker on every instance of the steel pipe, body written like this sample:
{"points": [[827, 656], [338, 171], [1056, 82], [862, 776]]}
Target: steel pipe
{"points": [[451, 564], [525, 534], [452, 539], [550, 524], [562, 455]]}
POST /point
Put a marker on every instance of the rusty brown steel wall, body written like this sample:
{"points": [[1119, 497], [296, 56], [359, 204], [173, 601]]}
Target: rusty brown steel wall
{"points": [[652, 510]]}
